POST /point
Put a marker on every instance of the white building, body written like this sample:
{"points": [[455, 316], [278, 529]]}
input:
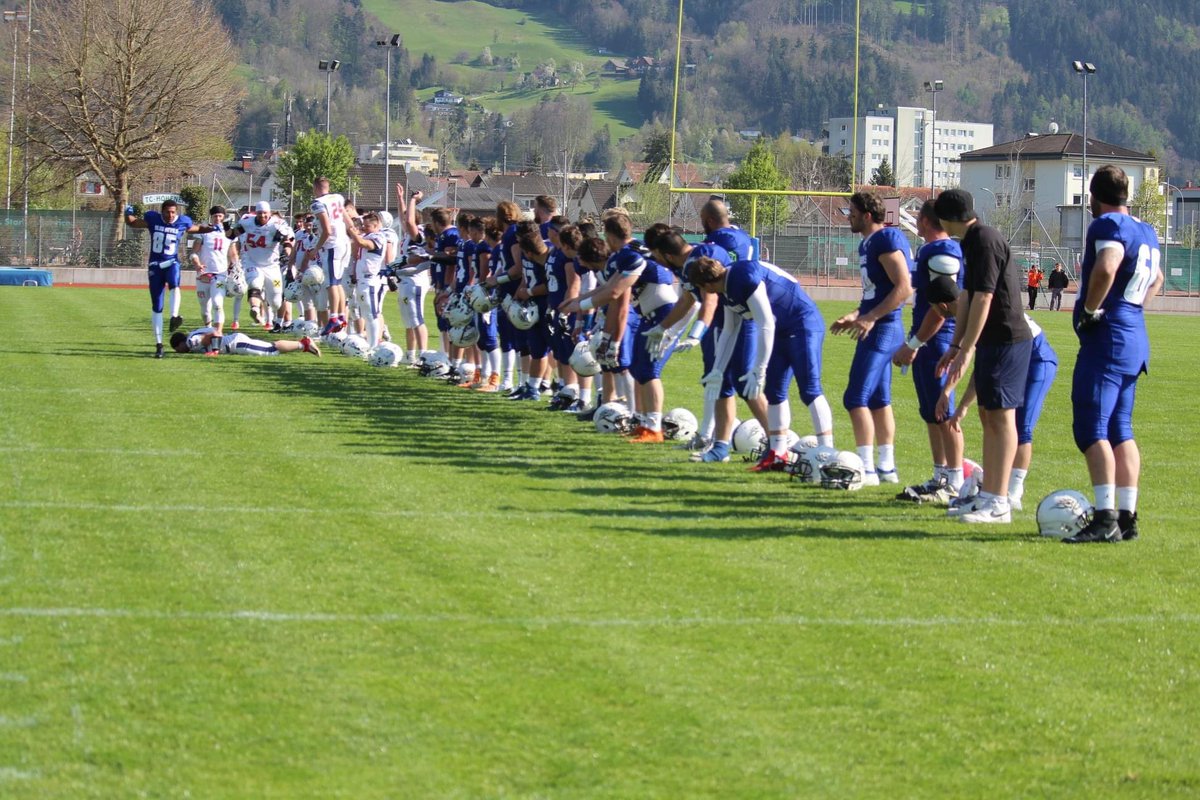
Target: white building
{"points": [[922, 151], [404, 153], [1044, 173]]}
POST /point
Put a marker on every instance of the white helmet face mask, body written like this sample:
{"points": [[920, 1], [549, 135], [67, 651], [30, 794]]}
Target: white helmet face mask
{"points": [[844, 471], [1063, 513]]}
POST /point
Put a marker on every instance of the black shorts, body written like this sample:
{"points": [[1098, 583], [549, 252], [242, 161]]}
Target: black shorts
{"points": [[1001, 371]]}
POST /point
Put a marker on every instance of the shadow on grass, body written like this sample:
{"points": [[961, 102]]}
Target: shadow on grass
{"points": [[514, 452]]}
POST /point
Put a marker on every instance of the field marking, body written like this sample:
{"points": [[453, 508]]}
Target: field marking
{"points": [[18, 722], [319, 617], [13, 677], [14, 774], [101, 451]]}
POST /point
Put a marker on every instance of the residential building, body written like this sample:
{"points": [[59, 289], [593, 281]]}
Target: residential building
{"points": [[921, 151], [404, 153]]}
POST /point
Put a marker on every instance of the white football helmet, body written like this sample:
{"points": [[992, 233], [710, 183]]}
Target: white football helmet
{"points": [[804, 443], [355, 346], [310, 328], [1063, 513], [583, 360], [385, 354], [335, 338], [748, 437], [680, 424], [523, 314], [235, 283], [808, 468], [797, 466], [613, 418], [464, 335], [972, 479], [314, 277], [459, 312], [844, 471], [291, 292], [435, 365], [479, 299]]}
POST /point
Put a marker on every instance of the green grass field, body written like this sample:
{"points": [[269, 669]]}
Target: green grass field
{"points": [[292, 578], [445, 29]]}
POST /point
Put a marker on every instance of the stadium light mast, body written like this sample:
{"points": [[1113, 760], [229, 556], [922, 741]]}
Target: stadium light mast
{"points": [[391, 45], [328, 67], [933, 87], [1084, 68], [12, 16]]}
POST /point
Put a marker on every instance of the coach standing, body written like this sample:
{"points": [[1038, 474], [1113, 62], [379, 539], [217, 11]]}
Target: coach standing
{"points": [[990, 326]]}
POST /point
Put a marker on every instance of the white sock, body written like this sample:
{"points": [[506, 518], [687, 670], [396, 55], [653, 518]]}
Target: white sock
{"points": [[887, 458], [1127, 498], [156, 321], [534, 384], [954, 477], [778, 443], [1016, 482], [571, 390], [237, 307], [654, 421], [494, 361], [176, 298], [864, 452], [822, 420], [372, 331], [627, 387], [1105, 496], [939, 471], [779, 416], [708, 417]]}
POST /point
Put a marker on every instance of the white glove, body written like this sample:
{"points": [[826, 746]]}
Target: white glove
{"points": [[712, 378], [754, 383], [686, 343], [612, 358], [654, 342], [604, 342]]}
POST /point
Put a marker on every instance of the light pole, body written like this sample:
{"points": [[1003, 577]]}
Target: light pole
{"points": [[1167, 224], [1084, 68], [933, 87], [328, 67], [391, 45], [12, 16]]}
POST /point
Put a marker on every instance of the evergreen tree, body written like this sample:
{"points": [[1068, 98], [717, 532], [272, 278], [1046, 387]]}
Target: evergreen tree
{"points": [[758, 171], [883, 174]]}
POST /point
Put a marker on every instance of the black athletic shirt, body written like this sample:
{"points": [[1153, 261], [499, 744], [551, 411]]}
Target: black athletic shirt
{"points": [[990, 268]]}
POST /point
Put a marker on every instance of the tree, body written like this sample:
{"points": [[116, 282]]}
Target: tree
{"points": [[758, 171], [195, 197], [114, 94], [1150, 206], [316, 155], [883, 174]]}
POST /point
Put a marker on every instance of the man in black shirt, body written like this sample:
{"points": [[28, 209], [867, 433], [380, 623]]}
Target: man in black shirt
{"points": [[990, 327], [1057, 281]]}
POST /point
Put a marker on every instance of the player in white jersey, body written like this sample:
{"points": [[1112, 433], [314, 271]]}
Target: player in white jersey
{"points": [[261, 236], [414, 287], [332, 249], [211, 256], [207, 341], [372, 245]]}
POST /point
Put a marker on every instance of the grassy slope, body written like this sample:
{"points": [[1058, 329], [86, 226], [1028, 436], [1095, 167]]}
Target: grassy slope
{"points": [[518, 607], [445, 29]]}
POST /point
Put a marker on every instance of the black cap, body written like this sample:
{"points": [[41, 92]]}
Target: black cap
{"points": [[942, 289], [217, 210], [955, 205]]}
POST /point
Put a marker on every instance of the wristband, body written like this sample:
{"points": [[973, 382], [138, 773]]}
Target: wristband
{"points": [[586, 304], [955, 347], [1091, 312], [698, 329], [504, 278], [914, 343]]}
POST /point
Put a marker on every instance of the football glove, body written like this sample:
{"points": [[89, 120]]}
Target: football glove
{"points": [[654, 342], [686, 343], [754, 383], [1089, 319], [129, 211], [712, 378]]}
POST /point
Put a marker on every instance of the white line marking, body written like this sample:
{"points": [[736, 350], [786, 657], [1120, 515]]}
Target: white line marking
{"points": [[13, 677], [590, 622], [18, 722], [105, 451], [14, 774], [11, 641]]}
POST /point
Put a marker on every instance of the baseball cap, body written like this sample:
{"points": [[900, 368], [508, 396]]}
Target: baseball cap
{"points": [[955, 205], [262, 206]]}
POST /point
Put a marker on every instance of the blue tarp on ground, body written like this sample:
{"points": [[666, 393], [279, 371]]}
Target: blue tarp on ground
{"points": [[11, 276]]}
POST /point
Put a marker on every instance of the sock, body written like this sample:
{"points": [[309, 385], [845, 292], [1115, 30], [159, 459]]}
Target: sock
{"points": [[779, 417], [708, 419], [494, 361], [372, 331], [534, 384], [822, 420], [1127, 498], [777, 443], [237, 307], [954, 478], [1016, 482], [176, 298], [571, 390], [887, 458], [1105, 496], [864, 452], [654, 420], [156, 321], [939, 472]]}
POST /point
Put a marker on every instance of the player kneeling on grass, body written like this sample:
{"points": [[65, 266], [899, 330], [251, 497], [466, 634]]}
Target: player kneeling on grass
{"points": [[210, 343], [791, 333]]}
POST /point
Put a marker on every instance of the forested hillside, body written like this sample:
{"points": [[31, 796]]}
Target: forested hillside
{"points": [[772, 65]]}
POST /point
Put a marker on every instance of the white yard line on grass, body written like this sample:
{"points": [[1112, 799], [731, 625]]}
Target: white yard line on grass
{"points": [[318, 617], [98, 451], [14, 774]]}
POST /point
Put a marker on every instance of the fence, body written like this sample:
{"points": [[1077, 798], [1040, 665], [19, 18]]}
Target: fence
{"points": [[64, 238]]}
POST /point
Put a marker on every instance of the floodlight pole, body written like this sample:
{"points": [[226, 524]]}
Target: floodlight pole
{"points": [[933, 87], [389, 44], [1084, 68], [328, 67]]}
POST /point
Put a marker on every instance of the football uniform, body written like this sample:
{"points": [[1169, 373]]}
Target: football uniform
{"points": [[537, 338], [562, 339], [1043, 366], [945, 256], [260, 246], [210, 277], [510, 338], [734, 241], [1116, 351], [335, 254], [448, 239], [487, 322], [743, 351], [870, 383], [629, 261], [165, 240], [370, 287], [653, 296], [799, 328]]}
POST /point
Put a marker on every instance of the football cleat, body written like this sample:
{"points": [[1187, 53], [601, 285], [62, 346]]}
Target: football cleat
{"points": [[987, 513], [310, 346], [1127, 522], [888, 476], [234, 327], [696, 444], [212, 353], [175, 323], [870, 478], [770, 462], [1102, 528], [643, 435], [962, 505], [493, 384], [158, 350]]}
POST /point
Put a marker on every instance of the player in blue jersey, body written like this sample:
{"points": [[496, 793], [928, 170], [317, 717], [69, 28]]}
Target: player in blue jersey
{"points": [[714, 217], [545, 208], [505, 277], [928, 341], [885, 260], [470, 373], [562, 282], [570, 238], [790, 334], [167, 229], [1120, 271], [534, 286], [444, 254], [488, 322]]}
